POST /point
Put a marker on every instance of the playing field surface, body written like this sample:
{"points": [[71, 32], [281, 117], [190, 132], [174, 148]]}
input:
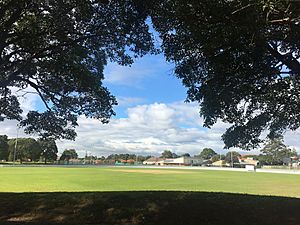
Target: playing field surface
{"points": [[61, 179], [135, 196]]}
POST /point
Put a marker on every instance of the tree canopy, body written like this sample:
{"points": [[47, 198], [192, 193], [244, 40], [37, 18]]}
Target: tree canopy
{"points": [[239, 59], [275, 151], [168, 154], [3, 147], [46, 43], [69, 154], [232, 157], [27, 149], [207, 153], [49, 149], [217, 158]]}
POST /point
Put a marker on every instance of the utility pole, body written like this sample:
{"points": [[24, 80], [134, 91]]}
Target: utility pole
{"points": [[231, 159], [136, 156], [85, 157], [221, 158], [16, 144]]}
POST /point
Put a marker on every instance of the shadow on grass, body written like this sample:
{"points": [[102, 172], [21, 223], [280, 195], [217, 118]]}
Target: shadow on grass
{"points": [[151, 207]]}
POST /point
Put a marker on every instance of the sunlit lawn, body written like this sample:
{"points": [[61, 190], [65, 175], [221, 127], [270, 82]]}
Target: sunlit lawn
{"points": [[45, 179], [131, 196]]}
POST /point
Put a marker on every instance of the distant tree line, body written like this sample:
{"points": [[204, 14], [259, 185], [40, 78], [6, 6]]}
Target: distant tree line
{"points": [[32, 150], [27, 149], [274, 152], [120, 157], [71, 154]]}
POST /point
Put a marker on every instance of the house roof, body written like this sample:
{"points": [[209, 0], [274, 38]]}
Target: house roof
{"points": [[153, 159]]}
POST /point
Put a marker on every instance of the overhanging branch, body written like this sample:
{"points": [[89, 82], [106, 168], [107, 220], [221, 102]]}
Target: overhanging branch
{"points": [[37, 88], [288, 60]]}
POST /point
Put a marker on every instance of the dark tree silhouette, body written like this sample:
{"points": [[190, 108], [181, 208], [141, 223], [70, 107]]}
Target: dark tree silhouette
{"points": [[59, 49]]}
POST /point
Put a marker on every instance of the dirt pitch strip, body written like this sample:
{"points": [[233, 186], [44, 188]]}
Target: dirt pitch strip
{"points": [[150, 171]]}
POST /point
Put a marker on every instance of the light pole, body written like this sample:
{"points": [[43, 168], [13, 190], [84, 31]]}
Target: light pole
{"points": [[16, 144], [136, 156], [220, 158], [231, 159]]}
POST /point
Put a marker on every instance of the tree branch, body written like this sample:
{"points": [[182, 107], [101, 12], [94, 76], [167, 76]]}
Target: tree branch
{"points": [[283, 21], [37, 88], [288, 60], [241, 9]]}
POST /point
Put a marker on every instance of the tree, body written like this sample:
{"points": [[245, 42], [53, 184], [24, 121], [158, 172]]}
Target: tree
{"points": [[28, 149], [102, 158], [207, 153], [186, 155], [141, 158], [119, 157], [49, 149], [69, 154], [232, 157], [238, 59], [46, 43], [217, 158], [167, 154], [174, 155], [275, 151], [3, 147]]}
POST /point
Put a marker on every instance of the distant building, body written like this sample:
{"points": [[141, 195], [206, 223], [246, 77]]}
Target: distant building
{"points": [[220, 163], [248, 161], [294, 158], [153, 161], [181, 161]]}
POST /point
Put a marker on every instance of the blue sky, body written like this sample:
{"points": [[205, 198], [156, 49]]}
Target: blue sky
{"points": [[150, 79]]}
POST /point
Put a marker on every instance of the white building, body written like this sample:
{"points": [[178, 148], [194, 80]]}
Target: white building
{"points": [[181, 161], [153, 161]]}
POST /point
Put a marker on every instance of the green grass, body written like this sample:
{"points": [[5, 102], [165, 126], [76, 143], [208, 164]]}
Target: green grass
{"points": [[45, 179], [126, 196]]}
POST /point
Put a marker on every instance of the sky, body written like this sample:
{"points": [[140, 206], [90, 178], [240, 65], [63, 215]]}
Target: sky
{"points": [[151, 116]]}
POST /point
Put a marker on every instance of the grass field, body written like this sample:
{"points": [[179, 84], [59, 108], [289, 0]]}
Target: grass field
{"points": [[45, 179], [120, 195]]}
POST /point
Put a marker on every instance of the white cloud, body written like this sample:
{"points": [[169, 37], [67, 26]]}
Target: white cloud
{"points": [[129, 101], [292, 138], [27, 97], [28, 101], [149, 130]]}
